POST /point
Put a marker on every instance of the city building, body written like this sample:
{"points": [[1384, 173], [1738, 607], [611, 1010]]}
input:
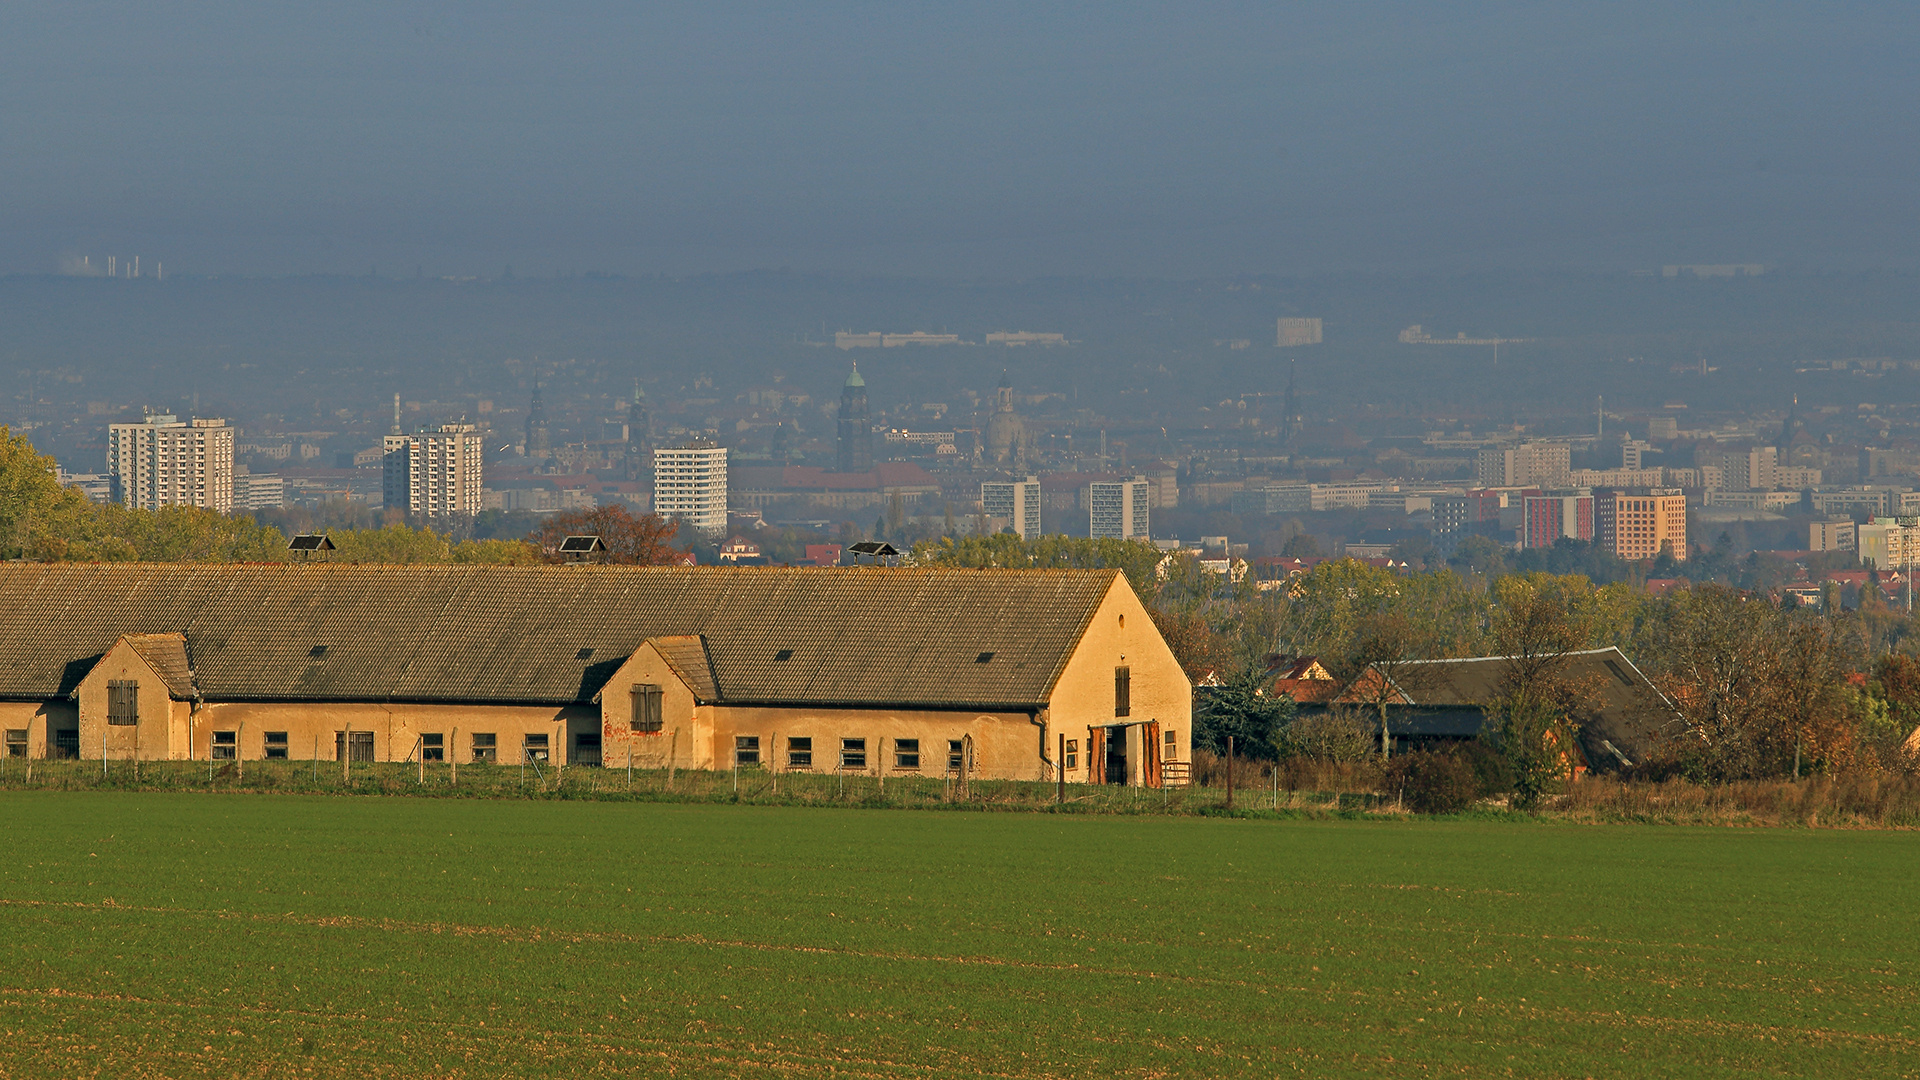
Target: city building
{"points": [[1889, 545], [1751, 469], [539, 442], [1663, 429], [856, 427], [1006, 431], [1018, 501], [1117, 509], [1014, 338], [166, 461], [1836, 535], [769, 668], [877, 340], [1294, 332], [259, 491], [433, 474], [1553, 517], [690, 484], [1637, 525], [1527, 464]]}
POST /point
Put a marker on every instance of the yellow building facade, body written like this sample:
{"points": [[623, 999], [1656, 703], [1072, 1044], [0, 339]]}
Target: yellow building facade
{"points": [[1014, 674]]}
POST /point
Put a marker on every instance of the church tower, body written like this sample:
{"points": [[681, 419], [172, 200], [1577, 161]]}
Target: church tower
{"points": [[639, 434], [539, 439], [856, 430]]}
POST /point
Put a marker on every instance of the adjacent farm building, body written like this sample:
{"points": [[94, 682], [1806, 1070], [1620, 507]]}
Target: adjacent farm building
{"points": [[1002, 673]]}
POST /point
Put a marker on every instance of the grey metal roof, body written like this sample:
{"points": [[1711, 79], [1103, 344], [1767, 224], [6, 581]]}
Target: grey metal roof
{"points": [[494, 633]]}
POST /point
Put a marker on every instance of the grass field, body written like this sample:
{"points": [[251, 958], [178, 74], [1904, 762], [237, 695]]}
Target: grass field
{"points": [[210, 935]]}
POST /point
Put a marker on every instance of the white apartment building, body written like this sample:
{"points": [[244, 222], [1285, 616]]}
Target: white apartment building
{"points": [[690, 484], [169, 462], [1016, 500], [1889, 545], [259, 491], [1117, 509], [433, 474]]}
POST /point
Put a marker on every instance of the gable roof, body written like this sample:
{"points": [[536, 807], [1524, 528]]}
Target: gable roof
{"points": [[687, 655], [166, 654], [555, 634]]}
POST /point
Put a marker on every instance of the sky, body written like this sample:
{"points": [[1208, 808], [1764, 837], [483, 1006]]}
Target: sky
{"points": [[958, 139]]}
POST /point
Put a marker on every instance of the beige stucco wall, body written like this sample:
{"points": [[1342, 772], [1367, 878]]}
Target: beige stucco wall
{"points": [[395, 727], [1005, 746], [685, 738], [1121, 634], [161, 732], [39, 719]]}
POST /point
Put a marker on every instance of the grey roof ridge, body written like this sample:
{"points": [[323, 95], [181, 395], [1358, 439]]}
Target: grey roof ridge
{"points": [[1484, 659]]}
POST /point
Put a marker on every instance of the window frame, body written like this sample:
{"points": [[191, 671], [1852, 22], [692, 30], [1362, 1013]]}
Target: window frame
{"points": [[800, 752], [433, 746], [746, 751], [956, 754], [224, 746], [14, 743], [484, 746], [853, 753], [274, 746], [536, 740], [1073, 754], [904, 759]]}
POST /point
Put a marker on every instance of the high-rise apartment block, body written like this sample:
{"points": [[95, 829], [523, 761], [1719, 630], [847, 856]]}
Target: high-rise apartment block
{"points": [[1754, 469], [1835, 535], [433, 474], [1117, 509], [1550, 518], [1527, 464], [1294, 332], [169, 462], [1016, 500], [1637, 525], [1889, 545], [690, 485]]}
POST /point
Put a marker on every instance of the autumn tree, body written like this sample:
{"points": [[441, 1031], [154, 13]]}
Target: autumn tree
{"points": [[631, 540], [1539, 622]]}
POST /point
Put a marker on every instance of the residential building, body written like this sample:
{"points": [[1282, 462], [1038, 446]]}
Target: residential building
{"points": [[259, 491], [1460, 513], [1836, 535], [1752, 500], [1018, 501], [706, 668], [1527, 464], [1751, 469], [433, 474], [1013, 338], [539, 442], [690, 485], [1293, 332], [875, 339], [1888, 545], [166, 461], [1637, 525], [1117, 509], [1553, 517], [1632, 452], [1597, 478]]}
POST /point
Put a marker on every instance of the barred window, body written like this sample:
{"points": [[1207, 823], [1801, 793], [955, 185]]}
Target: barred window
{"points": [[433, 746], [800, 752], [276, 745], [486, 745], [906, 753], [956, 754], [123, 702], [226, 745], [746, 749], [853, 753]]}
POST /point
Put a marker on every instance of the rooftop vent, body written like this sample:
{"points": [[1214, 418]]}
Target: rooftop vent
{"points": [[317, 651], [983, 658], [583, 654], [783, 654]]}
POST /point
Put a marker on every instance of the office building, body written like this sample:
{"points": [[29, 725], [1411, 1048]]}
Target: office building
{"points": [[169, 462], [1018, 501], [433, 474], [1117, 509], [690, 485]]}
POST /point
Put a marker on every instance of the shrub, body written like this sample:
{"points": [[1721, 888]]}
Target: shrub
{"points": [[1338, 734], [1433, 783], [1489, 767]]}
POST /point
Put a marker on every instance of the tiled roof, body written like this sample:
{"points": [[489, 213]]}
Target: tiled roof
{"points": [[166, 654], [687, 655], [539, 634]]}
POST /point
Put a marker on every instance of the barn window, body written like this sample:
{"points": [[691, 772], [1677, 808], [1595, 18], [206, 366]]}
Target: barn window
{"points": [[226, 745], [123, 702], [853, 753], [956, 754], [16, 742], [906, 753], [275, 743], [433, 746], [746, 749], [647, 714], [800, 752], [534, 748], [1073, 754], [1173, 747], [486, 746], [1122, 691]]}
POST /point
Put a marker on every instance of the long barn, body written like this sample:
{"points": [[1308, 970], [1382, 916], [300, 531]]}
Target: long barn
{"points": [[1015, 674]]}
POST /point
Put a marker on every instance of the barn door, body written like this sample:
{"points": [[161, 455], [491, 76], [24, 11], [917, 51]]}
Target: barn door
{"points": [[1150, 754], [1097, 755]]}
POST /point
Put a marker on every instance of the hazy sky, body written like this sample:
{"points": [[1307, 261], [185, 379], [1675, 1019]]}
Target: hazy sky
{"points": [[957, 139]]}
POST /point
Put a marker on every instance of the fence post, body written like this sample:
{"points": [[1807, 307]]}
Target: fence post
{"points": [[239, 754], [453, 759], [1229, 772]]}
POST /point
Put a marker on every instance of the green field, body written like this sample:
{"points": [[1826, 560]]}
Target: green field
{"points": [[208, 935]]}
